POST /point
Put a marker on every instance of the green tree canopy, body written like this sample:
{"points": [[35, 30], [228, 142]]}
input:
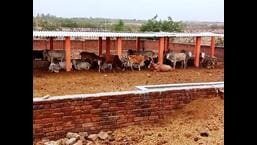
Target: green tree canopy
{"points": [[169, 25], [119, 26]]}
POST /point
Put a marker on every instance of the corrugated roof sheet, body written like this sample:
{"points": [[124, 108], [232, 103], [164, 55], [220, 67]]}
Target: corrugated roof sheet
{"points": [[120, 34]]}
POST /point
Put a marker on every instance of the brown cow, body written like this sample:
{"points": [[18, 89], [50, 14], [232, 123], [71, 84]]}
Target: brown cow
{"points": [[112, 59], [160, 67], [136, 59]]}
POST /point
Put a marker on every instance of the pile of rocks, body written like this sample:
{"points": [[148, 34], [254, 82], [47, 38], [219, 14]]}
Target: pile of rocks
{"points": [[82, 138]]}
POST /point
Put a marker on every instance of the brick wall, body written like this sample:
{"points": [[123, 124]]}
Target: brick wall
{"points": [[54, 117], [92, 46]]}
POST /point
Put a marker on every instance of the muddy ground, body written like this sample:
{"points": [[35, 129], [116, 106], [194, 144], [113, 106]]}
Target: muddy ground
{"points": [[77, 82]]}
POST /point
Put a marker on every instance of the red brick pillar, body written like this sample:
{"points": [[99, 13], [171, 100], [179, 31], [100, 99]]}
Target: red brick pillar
{"points": [[100, 46], [108, 47], [167, 43], [138, 43], [51, 43], [197, 51], [212, 46], [119, 46], [161, 49], [68, 53]]}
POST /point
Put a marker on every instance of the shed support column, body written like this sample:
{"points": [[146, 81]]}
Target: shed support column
{"points": [[138, 43], [197, 51], [119, 46], [51, 43], [108, 47], [212, 46], [68, 53], [167, 44], [100, 46], [161, 49]]}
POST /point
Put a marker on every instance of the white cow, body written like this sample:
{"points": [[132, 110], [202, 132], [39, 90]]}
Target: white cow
{"points": [[51, 54], [79, 65], [53, 67], [176, 57]]}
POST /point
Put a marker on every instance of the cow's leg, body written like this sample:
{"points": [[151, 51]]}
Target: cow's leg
{"points": [[139, 67], [174, 64], [110, 67], [131, 66]]}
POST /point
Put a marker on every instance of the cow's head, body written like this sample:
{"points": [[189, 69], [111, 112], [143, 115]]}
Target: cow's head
{"points": [[129, 52], [202, 54], [189, 54], [151, 63]]}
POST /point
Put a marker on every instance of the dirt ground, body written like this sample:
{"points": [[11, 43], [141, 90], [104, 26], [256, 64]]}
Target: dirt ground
{"points": [[183, 127], [195, 124], [78, 82]]}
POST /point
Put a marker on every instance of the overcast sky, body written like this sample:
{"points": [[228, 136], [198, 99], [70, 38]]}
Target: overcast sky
{"points": [[196, 10]]}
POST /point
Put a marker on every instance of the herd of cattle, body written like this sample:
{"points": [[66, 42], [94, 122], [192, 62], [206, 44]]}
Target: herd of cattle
{"points": [[133, 59]]}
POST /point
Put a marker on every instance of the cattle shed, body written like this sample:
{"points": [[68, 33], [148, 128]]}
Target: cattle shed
{"points": [[121, 36]]}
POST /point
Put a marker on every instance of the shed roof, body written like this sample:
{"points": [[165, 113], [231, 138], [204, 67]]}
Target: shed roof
{"points": [[121, 34]]}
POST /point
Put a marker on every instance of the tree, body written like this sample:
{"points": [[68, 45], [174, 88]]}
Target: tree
{"points": [[153, 25], [119, 26]]}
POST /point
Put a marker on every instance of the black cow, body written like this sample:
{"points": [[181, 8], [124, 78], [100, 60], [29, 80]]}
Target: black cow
{"points": [[38, 54]]}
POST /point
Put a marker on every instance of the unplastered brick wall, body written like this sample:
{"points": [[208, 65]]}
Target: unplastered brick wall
{"points": [[55, 116], [92, 46]]}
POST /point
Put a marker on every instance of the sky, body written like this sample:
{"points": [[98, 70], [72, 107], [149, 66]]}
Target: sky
{"points": [[178, 10]]}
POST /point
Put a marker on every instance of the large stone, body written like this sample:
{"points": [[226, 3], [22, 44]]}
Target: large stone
{"points": [[71, 141], [62, 141], [72, 135], [44, 140], [90, 143], [51, 143], [92, 137], [103, 135], [80, 142], [83, 135]]}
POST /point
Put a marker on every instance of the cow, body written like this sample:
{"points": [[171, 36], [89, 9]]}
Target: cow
{"points": [[63, 64], [38, 54], [104, 66], [113, 61], [147, 54], [79, 65], [136, 60], [202, 56], [189, 57], [207, 61], [54, 67], [54, 54], [89, 56], [175, 57], [159, 67]]}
